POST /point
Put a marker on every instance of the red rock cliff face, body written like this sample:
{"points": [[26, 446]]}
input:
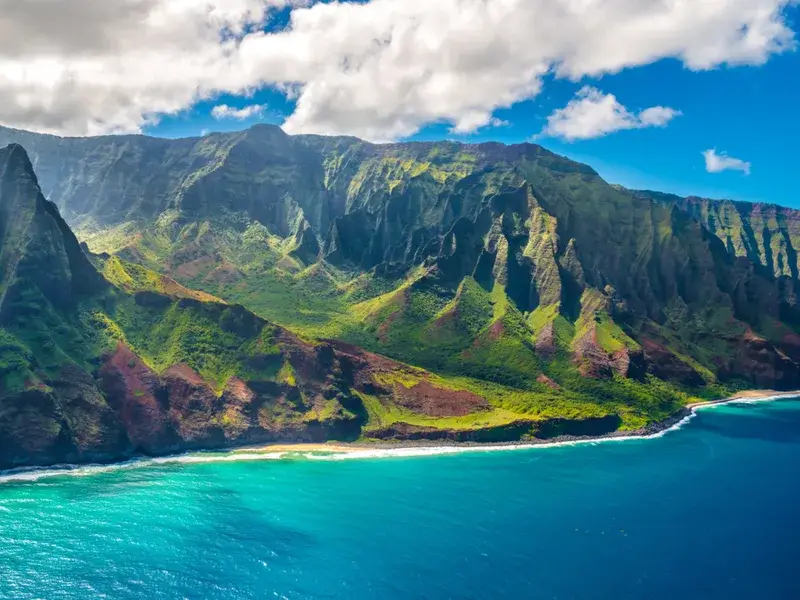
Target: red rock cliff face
{"points": [[179, 410], [131, 387]]}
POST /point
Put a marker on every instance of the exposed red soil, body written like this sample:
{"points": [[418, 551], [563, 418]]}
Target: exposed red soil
{"points": [[362, 366], [497, 330], [195, 267], [546, 341], [132, 386], [423, 398], [791, 339], [192, 404], [365, 359], [427, 399], [621, 361], [593, 361], [766, 365], [752, 336], [663, 363], [446, 319], [548, 382], [383, 329], [790, 344], [185, 375], [225, 273], [494, 333], [237, 390]]}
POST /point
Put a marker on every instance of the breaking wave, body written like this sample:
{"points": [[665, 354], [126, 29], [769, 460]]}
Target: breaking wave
{"points": [[321, 454]]}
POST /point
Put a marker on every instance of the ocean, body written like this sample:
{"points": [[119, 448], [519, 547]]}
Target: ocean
{"points": [[709, 511]]}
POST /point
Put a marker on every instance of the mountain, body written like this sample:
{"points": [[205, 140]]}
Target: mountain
{"points": [[766, 234], [101, 359], [511, 273]]}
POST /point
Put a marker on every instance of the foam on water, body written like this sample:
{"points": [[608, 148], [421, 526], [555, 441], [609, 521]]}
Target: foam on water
{"points": [[35, 474]]}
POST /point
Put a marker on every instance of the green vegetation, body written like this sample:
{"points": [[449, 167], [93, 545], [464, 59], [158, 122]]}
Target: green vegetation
{"points": [[503, 271], [466, 334], [203, 336], [15, 362], [384, 414]]}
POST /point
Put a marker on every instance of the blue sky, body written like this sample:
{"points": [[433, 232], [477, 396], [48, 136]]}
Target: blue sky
{"points": [[750, 112], [639, 89]]}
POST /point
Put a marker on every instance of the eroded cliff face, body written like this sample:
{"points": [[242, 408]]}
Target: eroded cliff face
{"points": [[125, 408], [516, 275], [95, 371]]}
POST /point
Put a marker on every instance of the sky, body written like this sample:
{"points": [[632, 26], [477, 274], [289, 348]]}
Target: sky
{"points": [[694, 97]]}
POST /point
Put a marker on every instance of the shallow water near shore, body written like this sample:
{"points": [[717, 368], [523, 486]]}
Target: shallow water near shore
{"points": [[708, 511]]}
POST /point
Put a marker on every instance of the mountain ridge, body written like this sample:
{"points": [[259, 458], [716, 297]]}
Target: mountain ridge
{"points": [[133, 363], [510, 272]]}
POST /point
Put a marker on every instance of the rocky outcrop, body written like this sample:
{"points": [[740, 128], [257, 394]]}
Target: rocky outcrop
{"points": [[763, 363], [666, 365], [131, 389]]}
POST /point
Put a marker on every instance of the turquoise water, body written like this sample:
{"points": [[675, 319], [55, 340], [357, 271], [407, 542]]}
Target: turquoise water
{"points": [[709, 511]]}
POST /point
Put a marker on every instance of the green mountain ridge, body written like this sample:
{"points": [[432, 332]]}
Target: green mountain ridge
{"points": [[508, 271], [102, 359]]}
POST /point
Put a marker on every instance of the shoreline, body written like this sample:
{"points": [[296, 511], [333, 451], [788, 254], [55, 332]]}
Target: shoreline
{"points": [[416, 448], [651, 431]]}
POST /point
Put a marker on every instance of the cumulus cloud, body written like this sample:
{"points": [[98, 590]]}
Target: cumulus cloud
{"points": [[379, 69], [717, 163], [593, 114], [223, 111], [87, 67]]}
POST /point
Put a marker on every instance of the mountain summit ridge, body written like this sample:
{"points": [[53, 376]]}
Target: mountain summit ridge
{"points": [[513, 274], [101, 360]]}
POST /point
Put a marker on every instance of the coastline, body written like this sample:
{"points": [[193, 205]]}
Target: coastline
{"points": [[354, 450], [651, 431]]}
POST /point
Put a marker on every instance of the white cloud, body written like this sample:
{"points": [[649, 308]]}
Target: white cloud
{"points": [[379, 69], [495, 122], [592, 114], [223, 111], [717, 163], [468, 126], [657, 116]]}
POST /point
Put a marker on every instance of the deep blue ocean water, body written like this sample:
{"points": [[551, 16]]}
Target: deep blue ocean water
{"points": [[709, 511]]}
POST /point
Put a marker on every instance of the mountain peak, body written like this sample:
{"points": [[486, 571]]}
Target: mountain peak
{"points": [[14, 161], [267, 129], [19, 197], [13, 149], [39, 254]]}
